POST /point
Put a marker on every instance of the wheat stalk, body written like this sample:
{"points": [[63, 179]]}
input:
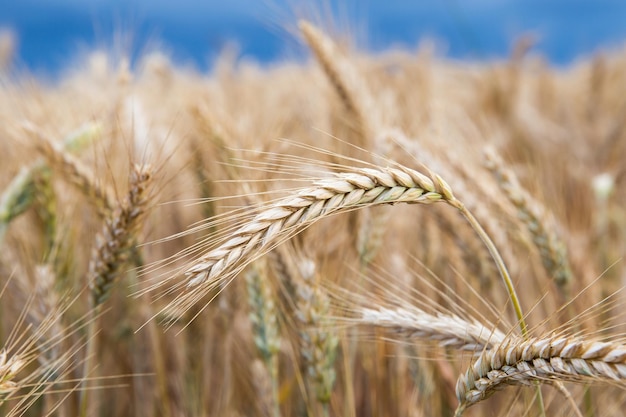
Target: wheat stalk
{"points": [[111, 251]]}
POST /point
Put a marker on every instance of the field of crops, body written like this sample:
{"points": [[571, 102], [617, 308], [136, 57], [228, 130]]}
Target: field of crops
{"points": [[358, 235]]}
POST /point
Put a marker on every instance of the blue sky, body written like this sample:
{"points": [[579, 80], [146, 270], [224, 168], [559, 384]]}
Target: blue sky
{"points": [[51, 33]]}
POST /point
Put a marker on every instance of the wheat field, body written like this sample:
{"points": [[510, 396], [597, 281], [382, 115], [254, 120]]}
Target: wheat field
{"points": [[355, 235]]}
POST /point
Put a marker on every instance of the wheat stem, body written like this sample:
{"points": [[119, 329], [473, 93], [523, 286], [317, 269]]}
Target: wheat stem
{"points": [[504, 272]]}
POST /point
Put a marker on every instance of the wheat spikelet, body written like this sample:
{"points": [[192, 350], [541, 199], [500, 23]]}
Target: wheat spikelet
{"points": [[9, 367], [117, 235], [556, 358]]}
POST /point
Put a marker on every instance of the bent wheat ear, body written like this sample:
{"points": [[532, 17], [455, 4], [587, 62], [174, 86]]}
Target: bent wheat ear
{"points": [[540, 360], [284, 218], [22, 191]]}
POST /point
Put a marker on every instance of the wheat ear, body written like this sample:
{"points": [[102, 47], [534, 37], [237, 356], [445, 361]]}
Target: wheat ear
{"points": [[264, 319], [28, 369], [552, 249], [75, 172], [515, 362], [318, 343], [115, 240], [16, 198], [282, 219], [346, 80], [22, 191], [448, 330]]}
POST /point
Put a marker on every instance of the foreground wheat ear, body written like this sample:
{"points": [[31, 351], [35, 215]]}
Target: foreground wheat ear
{"points": [[550, 359], [280, 220]]}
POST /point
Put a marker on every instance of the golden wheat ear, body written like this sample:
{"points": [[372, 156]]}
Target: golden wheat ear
{"points": [[282, 219], [41, 351], [549, 360]]}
